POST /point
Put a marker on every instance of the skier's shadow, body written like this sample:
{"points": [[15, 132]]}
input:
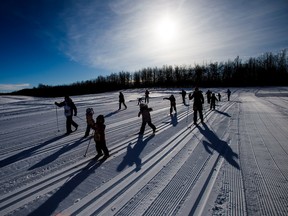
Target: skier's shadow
{"points": [[133, 154], [28, 152], [54, 156], [223, 113], [50, 205], [219, 145], [174, 119], [112, 113]]}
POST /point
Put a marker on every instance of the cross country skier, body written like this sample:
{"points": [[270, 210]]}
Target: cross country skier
{"points": [[89, 117], [219, 97], [69, 109], [140, 100], [183, 93], [146, 118], [99, 136], [172, 103], [198, 104], [228, 94], [213, 100], [147, 96], [208, 93], [121, 100]]}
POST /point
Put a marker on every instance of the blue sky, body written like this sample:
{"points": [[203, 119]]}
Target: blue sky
{"points": [[56, 42]]}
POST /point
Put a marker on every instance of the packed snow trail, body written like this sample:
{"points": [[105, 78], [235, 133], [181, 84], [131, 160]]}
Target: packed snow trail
{"points": [[233, 164]]}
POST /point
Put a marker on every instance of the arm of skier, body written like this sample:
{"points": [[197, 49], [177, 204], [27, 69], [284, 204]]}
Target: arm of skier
{"points": [[59, 104]]}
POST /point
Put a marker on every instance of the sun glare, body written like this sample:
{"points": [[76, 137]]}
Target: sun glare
{"points": [[166, 29]]}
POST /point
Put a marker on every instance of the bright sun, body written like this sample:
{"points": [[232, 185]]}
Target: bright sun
{"points": [[166, 29]]}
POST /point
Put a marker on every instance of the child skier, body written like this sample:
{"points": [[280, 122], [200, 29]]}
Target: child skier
{"points": [[99, 136], [172, 103], [89, 118], [146, 118], [213, 101]]}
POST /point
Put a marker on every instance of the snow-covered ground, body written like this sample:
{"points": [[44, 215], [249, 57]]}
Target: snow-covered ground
{"points": [[236, 163]]}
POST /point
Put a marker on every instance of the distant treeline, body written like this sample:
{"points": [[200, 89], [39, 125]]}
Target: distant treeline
{"points": [[266, 70]]}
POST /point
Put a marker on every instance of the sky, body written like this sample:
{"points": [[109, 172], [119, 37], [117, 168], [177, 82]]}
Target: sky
{"points": [[55, 42]]}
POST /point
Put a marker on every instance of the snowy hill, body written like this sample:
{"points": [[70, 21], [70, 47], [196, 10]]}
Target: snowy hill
{"points": [[235, 163]]}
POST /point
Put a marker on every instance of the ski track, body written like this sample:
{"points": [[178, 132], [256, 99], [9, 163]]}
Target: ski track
{"points": [[233, 164]]}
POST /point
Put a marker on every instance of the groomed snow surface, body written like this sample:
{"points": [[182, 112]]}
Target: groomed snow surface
{"points": [[235, 163]]}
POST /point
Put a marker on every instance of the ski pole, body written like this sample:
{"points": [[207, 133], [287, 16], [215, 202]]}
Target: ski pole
{"points": [[57, 118], [87, 148]]}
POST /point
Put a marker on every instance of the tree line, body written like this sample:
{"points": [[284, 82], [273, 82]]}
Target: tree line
{"points": [[266, 70]]}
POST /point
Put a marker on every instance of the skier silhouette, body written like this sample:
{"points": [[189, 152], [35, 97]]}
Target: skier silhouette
{"points": [[213, 101], [228, 94], [69, 109], [172, 103], [146, 118], [197, 104], [121, 100]]}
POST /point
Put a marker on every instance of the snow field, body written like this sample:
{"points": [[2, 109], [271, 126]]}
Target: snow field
{"points": [[233, 164]]}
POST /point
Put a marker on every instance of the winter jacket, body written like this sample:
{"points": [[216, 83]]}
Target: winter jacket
{"points": [[89, 119], [145, 112], [121, 97], [99, 134], [198, 100], [213, 98], [172, 100], [69, 107]]}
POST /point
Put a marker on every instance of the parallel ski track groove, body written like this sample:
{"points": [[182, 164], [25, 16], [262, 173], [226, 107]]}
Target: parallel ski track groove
{"points": [[262, 185], [240, 201], [271, 176], [233, 177]]}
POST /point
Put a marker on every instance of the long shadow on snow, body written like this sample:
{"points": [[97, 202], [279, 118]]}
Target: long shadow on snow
{"points": [[223, 113], [133, 154], [219, 145], [54, 156], [112, 113], [28, 152], [49, 206], [174, 120]]}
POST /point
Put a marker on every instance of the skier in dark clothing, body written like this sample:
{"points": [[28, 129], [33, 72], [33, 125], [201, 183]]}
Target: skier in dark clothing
{"points": [[219, 97], [146, 118], [198, 104], [228, 94], [69, 109], [213, 102], [208, 93], [147, 96], [140, 100], [183, 93], [89, 116], [172, 103], [99, 136], [121, 100]]}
